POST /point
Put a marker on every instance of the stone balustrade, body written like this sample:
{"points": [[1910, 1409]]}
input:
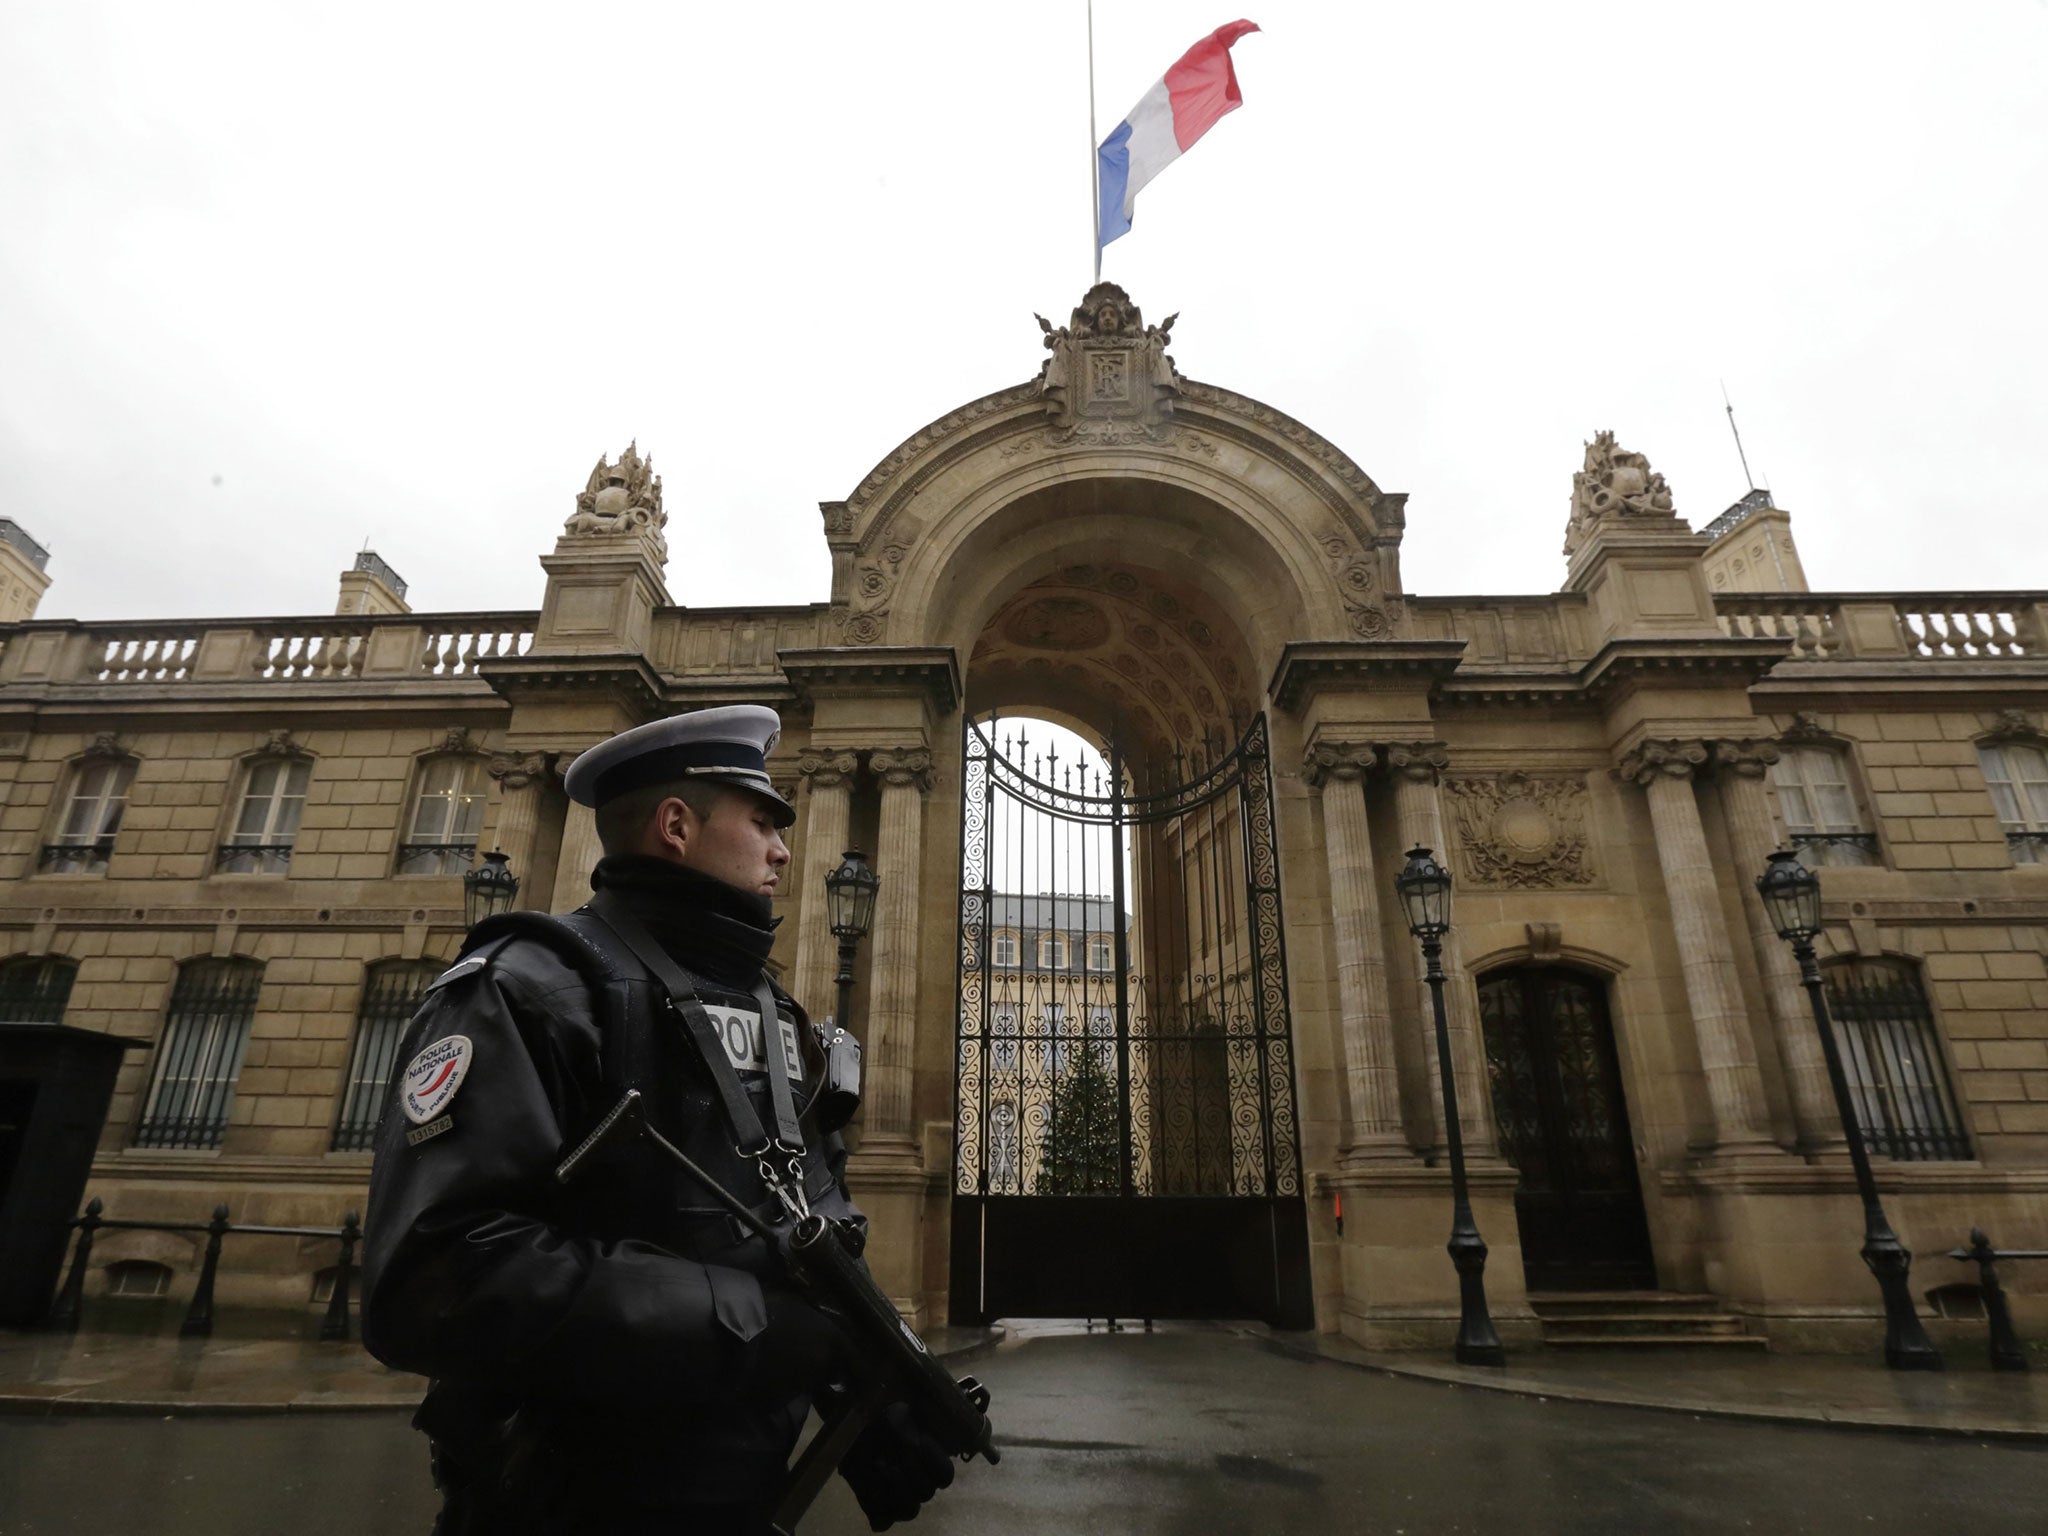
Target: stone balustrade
{"points": [[125, 655], [1895, 626]]}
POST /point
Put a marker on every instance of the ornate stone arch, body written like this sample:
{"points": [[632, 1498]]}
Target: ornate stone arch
{"points": [[1111, 451]]}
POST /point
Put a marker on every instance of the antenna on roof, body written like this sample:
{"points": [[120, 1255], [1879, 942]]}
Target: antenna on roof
{"points": [[1746, 475]]}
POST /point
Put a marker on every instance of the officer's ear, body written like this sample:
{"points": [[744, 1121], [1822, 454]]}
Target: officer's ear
{"points": [[672, 826]]}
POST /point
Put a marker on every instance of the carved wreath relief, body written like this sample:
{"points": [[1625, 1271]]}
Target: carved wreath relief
{"points": [[1517, 831]]}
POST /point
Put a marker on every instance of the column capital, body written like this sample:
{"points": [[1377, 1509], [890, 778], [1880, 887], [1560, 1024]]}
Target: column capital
{"points": [[823, 770], [1419, 762], [1747, 757], [1649, 761], [902, 766], [514, 771], [1345, 762]]}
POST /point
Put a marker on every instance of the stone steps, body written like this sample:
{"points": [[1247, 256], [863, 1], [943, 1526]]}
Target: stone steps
{"points": [[1639, 1320]]}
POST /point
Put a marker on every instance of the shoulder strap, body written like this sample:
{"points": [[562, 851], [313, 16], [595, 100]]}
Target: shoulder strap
{"points": [[592, 949], [750, 1136]]}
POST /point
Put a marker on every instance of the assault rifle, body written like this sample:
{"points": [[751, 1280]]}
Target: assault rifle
{"points": [[891, 1361]]}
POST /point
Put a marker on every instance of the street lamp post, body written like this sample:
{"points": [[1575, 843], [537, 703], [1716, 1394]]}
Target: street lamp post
{"points": [[1791, 894], [850, 896], [1424, 887], [489, 889]]}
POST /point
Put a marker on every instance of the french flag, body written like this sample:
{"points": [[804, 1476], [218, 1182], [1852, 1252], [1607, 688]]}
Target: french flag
{"points": [[1165, 123]]}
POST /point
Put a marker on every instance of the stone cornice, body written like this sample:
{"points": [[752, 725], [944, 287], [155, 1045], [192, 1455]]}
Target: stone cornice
{"points": [[1308, 666], [1623, 665], [853, 671], [624, 676]]}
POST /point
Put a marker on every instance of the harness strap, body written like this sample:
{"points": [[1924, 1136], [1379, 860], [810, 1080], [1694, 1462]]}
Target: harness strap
{"points": [[750, 1135]]}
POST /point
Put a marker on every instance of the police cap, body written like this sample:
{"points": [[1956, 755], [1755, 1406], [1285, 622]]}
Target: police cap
{"points": [[727, 745]]}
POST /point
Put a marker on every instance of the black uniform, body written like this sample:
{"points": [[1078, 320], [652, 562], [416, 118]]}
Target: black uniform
{"points": [[618, 1355]]}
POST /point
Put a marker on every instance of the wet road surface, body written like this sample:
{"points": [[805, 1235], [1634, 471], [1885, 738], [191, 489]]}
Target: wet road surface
{"points": [[1181, 1431]]}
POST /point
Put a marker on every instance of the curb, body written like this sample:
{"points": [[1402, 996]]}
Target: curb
{"points": [[1742, 1412], [40, 1405]]}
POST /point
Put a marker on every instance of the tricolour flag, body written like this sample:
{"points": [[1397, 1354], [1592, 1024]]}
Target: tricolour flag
{"points": [[1167, 120]]}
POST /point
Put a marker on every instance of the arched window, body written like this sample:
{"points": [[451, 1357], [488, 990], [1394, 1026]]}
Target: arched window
{"points": [[35, 988], [267, 821], [1052, 951], [1821, 815], [1892, 1057], [392, 990], [84, 836], [446, 816], [1006, 948], [1101, 952], [200, 1055], [2016, 773]]}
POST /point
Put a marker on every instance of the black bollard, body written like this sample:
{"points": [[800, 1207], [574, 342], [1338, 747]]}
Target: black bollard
{"points": [[335, 1328], [2007, 1353], [70, 1301], [198, 1322]]}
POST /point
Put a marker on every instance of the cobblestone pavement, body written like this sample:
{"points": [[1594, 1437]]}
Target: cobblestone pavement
{"points": [[1195, 1429]]}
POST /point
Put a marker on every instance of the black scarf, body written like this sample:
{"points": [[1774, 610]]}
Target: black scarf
{"points": [[717, 930]]}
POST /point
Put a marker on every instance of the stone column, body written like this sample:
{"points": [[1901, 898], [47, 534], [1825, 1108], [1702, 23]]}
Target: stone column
{"points": [[1665, 769], [828, 795], [1739, 768], [1416, 767], [579, 856], [519, 787], [1371, 1096], [891, 1035]]}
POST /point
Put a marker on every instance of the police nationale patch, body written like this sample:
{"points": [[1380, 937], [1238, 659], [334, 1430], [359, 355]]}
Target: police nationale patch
{"points": [[432, 1077]]}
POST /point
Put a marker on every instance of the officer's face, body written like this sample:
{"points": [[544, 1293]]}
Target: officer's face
{"points": [[737, 842]]}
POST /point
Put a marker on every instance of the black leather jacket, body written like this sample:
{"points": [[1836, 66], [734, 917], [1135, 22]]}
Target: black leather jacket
{"points": [[613, 1343]]}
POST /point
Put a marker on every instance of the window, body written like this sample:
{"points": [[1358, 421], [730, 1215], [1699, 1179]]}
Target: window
{"points": [[447, 814], [85, 834], [212, 1007], [2016, 773], [1821, 817], [1892, 1058], [392, 990], [35, 988], [138, 1277], [1006, 948], [272, 799], [1101, 952], [1052, 951]]}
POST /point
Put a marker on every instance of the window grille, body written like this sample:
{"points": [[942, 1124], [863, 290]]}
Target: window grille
{"points": [[272, 799], [1821, 816], [138, 1277], [2016, 773], [92, 817], [392, 990], [35, 988], [447, 815], [212, 1007], [1892, 1057]]}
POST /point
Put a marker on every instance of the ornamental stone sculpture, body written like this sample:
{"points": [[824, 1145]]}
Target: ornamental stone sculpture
{"points": [[1109, 379], [622, 498], [1614, 484]]}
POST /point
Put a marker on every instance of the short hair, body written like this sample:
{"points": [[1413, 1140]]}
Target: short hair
{"points": [[622, 820]]}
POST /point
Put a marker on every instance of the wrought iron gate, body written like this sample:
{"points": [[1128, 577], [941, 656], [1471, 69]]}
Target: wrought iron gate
{"points": [[1125, 1135]]}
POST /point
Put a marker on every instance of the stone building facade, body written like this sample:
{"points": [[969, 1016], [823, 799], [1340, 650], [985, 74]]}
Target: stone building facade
{"points": [[1148, 559]]}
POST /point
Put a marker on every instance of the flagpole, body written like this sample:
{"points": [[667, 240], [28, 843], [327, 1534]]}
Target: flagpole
{"points": [[1094, 167]]}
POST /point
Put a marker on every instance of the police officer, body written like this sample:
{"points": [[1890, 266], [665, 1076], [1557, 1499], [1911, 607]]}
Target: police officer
{"points": [[618, 1355]]}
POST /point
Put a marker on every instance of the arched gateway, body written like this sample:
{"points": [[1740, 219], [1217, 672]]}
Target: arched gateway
{"points": [[1129, 553]]}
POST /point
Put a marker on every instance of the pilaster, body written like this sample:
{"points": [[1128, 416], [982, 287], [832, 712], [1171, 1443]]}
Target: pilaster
{"points": [[905, 775], [827, 794]]}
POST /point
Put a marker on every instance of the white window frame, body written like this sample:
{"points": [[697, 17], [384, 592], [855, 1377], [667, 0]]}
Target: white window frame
{"points": [[92, 816], [451, 790], [1105, 944], [1060, 948], [278, 786], [2016, 773], [1006, 949], [1823, 817]]}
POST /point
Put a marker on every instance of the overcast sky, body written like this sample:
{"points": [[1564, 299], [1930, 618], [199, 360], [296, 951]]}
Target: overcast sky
{"points": [[277, 279]]}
